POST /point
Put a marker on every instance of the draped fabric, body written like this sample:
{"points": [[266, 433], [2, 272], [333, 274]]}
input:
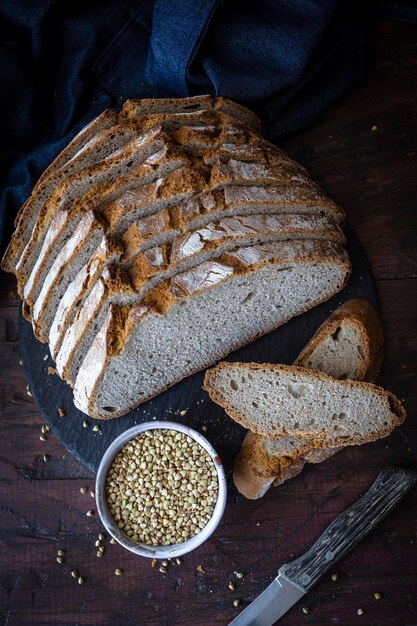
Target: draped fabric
{"points": [[62, 63]]}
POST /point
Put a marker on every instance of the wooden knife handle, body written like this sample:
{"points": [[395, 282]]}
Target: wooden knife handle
{"points": [[350, 527]]}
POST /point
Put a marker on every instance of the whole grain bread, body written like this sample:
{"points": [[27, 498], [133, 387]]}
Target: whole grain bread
{"points": [[142, 186], [240, 297], [349, 344]]}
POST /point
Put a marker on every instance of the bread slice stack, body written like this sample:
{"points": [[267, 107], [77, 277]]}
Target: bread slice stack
{"points": [[164, 237], [309, 411]]}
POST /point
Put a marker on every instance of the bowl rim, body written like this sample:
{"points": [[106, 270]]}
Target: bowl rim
{"points": [[158, 552]]}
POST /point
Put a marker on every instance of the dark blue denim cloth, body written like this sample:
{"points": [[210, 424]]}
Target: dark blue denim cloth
{"points": [[62, 63]]}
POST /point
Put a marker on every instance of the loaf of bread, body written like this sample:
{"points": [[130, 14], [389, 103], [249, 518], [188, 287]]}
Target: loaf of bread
{"points": [[349, 344], [164, 237]]}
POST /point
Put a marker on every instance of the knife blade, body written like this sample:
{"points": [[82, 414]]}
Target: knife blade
{"points": [[296, 578]]}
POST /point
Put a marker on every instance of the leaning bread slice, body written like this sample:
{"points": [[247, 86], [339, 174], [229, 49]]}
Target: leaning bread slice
{"points": [[142, 350], [349, 344], [274, 400]]}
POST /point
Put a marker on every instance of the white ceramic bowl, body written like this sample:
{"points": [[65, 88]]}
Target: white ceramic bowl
{"points": [[158, 552]]}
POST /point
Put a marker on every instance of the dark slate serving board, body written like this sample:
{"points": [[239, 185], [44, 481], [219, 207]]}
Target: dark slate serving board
{"points": [[280, 346]]}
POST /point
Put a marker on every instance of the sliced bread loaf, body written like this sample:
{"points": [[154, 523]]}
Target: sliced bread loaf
{"points": [[164, 338], [349, 344], [70, 267]]}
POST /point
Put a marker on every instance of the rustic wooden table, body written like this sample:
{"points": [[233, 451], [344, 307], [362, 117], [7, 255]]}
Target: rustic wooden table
{"points": [[363, 151]]}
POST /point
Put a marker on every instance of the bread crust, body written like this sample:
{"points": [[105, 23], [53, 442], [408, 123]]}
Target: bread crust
{"points": [[133, 108], [360, 313]]}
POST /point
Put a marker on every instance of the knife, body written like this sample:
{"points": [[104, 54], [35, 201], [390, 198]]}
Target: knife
{"points": [[296, 578]]}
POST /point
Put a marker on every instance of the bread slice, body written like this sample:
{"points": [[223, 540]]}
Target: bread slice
{"points": [[138, 108], [349, 344], [278, 400], [144, 349], [107, 253]]}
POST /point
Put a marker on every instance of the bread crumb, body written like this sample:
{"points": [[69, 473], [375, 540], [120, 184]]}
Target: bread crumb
{"points": [[201, 569], [374, 127], [51, 370], [61, 411]]}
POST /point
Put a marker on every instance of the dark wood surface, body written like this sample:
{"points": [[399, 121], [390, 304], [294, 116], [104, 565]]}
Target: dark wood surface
{"points": [[373, 175]]}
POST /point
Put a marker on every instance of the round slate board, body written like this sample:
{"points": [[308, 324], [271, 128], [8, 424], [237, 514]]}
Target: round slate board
{"points": [[186, 402]]}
